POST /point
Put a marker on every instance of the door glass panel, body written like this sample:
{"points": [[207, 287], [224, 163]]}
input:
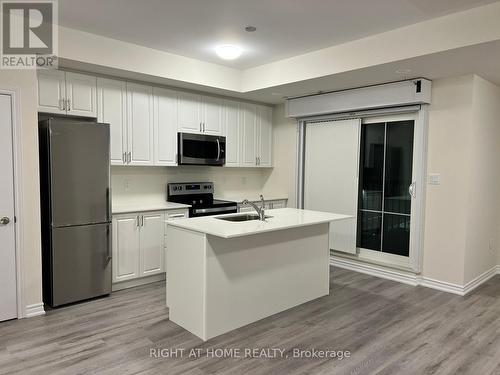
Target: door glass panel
{"points": [[372, 166], [369, 234], [386, 161], [398, 167], [396, 238]]}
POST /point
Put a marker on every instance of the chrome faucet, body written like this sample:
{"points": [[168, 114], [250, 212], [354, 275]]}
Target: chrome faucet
{"points": [[260, 210]]}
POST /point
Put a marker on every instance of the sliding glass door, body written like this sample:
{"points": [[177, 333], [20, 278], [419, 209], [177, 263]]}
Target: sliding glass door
{"points": [[385, 185]]}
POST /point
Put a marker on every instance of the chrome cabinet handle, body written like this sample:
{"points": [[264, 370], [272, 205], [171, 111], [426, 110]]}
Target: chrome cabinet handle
{"points": [[138, 223], [200, 128], [142, 220], [176, 216], [203, 127], [69, 104], [129, 157], [62, 107], [411, 190], [124, 157], [4, 220]]}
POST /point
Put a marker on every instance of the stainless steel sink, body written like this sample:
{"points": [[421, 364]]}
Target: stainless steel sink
{"points": [[242, 217]]}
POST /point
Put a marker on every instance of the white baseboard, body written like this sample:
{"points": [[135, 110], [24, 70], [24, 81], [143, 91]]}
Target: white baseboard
{"points": [[374, 270], [473, 284], [442, 286], [137, 282], [413, 279], [31, 311]]}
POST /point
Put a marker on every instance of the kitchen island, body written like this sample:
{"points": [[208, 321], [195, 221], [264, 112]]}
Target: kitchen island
{"points": [[224, 274]]}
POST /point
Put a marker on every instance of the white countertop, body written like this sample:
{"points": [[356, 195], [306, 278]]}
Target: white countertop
{"points": [[283, 218], [251, 198], [121, 208]]}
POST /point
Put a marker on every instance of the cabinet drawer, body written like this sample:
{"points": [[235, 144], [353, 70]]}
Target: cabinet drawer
{"points": [[175, 215]]}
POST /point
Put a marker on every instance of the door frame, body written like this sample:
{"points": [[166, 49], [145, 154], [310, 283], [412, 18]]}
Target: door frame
{"points": [[421, 113], [18, 200]]}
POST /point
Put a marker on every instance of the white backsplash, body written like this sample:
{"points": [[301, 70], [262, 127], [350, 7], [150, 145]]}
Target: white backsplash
{"points": [[147, 184]]}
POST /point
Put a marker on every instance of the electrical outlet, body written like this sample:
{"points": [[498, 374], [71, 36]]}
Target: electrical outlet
{"points": [[434, 179], [243, 180], [492, 244]]}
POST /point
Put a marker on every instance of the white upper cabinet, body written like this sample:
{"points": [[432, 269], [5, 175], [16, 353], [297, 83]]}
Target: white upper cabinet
{"points": [[189, 117], [81, 95], [67, 93], [112, 109], [264, 136], [232, 123], [51, 91], [144, 121], [140, 124], [165, 127], [249, 130], [200, 114], [212, 120]]}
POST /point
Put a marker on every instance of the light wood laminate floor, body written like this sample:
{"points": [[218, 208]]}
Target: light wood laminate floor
{"points": [[389, 328]]}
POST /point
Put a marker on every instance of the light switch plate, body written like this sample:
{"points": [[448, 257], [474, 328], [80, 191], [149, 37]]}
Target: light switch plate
{"points": [[434, 179]]}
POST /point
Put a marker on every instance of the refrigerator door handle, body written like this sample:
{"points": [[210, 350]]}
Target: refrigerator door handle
{"points": [[108, 234], [108, 203]]}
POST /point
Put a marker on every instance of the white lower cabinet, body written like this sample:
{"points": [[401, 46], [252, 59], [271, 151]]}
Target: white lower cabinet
{"points": [[139, 243], [126, 245], [152, 243]]}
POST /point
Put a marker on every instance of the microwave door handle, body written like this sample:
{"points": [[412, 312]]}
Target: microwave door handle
{"points": [[218, 149]]}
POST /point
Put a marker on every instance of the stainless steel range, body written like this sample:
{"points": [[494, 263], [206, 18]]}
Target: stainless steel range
{"points": [[200, 195]]}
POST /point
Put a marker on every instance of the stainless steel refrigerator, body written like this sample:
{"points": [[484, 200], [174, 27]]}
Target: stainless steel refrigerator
{"points": [[75, 209]]}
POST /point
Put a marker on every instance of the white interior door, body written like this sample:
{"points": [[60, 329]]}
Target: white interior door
{"points": [[331, 176], [8, 294]]}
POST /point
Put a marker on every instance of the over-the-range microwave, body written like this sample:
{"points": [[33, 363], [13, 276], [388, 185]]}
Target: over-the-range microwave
{"points": [[201, 149]]}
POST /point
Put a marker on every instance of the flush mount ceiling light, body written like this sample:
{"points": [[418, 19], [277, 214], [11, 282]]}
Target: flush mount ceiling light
{"points": [[250, 28], [228, 51]]}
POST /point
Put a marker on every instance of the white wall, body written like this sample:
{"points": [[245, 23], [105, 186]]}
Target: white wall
{"points": [[25, 83], [445, 212], [147, 184], [483, 199], [282, 178]]}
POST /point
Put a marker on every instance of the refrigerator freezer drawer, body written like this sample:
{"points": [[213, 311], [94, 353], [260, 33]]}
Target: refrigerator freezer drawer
{"points": [[81, 263]]}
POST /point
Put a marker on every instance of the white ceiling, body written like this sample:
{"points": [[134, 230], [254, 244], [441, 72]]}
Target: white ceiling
{"points": [[285, 28]]}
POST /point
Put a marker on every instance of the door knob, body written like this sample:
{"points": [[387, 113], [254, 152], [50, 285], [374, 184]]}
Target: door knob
{"points": [[4, 221]]}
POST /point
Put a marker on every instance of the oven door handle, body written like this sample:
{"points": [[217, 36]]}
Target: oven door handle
{"points": [[218, 149], [214, 209]]}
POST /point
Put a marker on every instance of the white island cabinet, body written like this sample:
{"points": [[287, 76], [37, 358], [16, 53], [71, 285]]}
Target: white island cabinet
{"points": [[223, 275]]}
